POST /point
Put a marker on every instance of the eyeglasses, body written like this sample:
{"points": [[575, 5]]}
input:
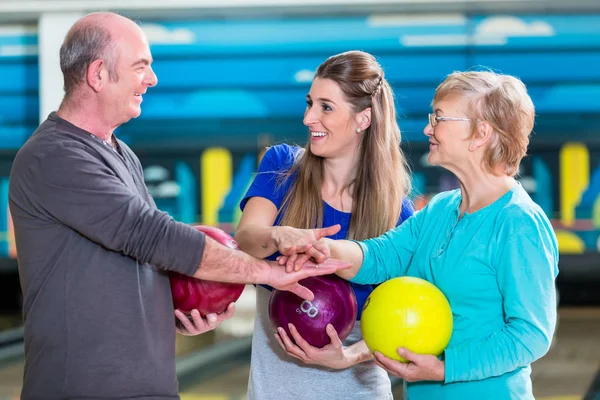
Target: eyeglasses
{"points": [[434, 119]]}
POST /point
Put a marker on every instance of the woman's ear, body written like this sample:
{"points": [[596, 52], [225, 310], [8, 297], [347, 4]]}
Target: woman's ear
{"points": [[482, 135], [363, 119]]}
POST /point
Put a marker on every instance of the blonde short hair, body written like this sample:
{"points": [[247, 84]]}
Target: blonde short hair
{"points": [[501, 101]]}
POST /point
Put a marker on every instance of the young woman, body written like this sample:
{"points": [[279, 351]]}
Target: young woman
{"points": [[352, 179]]}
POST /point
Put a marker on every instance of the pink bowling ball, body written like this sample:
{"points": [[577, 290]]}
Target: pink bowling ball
{"points": [[205, 296]]}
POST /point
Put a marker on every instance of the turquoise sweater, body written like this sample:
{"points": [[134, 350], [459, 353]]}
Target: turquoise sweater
{"points": [[497, 268]]}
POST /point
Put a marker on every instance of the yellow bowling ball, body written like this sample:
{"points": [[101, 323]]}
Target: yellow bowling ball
{"points": [[406, 312]]}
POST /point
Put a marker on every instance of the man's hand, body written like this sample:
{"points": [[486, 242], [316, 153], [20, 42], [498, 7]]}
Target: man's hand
{"points": [[196, 325], [282, 280]]}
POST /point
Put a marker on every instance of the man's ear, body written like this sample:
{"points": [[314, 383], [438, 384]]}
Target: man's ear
{"points": [[97, 75]]}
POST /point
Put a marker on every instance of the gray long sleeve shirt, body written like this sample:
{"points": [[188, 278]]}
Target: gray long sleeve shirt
{"points": [[92, 251]]}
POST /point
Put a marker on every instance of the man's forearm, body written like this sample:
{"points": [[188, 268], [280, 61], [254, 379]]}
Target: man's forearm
{"points": [[346, 250], [223, 264]]}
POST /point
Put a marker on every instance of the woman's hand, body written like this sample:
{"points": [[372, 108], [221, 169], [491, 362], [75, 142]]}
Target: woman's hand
{"points": [[292, 241], [196, 325], [333, 355], [294, 262], [420, 367]]}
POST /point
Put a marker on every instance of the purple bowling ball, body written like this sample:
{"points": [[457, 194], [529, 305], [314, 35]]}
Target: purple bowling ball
{"points": [[334, 303]]}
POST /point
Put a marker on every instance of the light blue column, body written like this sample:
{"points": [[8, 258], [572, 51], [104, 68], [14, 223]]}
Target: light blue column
{"points": [[52, 28]]}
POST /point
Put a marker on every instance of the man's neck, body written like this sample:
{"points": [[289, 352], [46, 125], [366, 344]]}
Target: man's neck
{"points": [[88, 119]]}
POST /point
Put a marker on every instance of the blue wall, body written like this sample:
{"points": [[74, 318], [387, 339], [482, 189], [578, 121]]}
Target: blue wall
{"points": [[226, 83], [240, 78]]}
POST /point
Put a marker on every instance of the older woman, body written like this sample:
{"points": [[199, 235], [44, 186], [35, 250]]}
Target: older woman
{"points": [[487, 246]]}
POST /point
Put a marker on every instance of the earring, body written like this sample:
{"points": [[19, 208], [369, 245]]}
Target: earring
{"points": [[358, 130]]}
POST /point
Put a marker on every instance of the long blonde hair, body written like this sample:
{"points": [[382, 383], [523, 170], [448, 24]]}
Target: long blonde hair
{"points": [[382, 178]]}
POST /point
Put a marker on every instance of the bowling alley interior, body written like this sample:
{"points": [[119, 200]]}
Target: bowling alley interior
{"points": [[232, 79]]}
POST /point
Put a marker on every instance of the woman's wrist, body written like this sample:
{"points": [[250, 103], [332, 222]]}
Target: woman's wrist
{"points": [[358, 353], [350, 359], [442, 371], [273, 236]]}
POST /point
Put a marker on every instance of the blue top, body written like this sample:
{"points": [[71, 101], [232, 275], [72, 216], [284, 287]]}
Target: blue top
{"points": [[275, 163], [497, 268]]}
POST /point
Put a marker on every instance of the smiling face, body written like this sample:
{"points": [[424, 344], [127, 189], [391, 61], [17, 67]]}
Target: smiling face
{"points": [[331, 122], [122, 98], [449, 140]]}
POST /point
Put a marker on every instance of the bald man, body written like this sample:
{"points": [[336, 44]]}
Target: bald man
{"points": [[93, 249]]}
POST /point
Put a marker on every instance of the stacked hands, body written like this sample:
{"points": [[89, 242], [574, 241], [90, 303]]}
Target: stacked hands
{"points": [[305, 253], [302, 247], [277, 277]]}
